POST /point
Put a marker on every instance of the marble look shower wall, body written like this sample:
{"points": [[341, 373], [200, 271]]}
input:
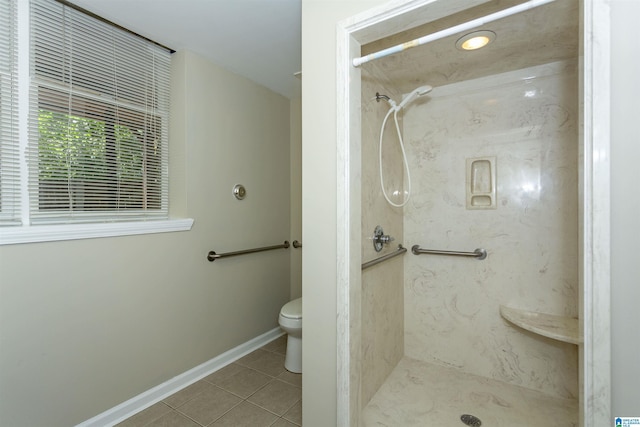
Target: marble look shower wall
{"points": [[382, 299], [528, 121]]}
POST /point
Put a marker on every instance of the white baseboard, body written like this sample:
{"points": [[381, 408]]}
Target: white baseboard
{"points": [[142, 401]]}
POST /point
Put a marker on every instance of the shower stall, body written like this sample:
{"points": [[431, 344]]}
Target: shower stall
{"points": [[491, 157]]}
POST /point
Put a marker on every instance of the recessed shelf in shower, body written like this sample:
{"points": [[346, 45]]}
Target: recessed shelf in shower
{"points": [[481, 183]]}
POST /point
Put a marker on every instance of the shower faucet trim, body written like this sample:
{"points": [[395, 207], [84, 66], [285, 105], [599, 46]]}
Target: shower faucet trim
{"points": [[380, 239]]}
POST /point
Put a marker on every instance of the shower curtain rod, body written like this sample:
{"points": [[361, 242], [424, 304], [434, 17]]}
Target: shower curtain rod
{"points": [[450, 31]]}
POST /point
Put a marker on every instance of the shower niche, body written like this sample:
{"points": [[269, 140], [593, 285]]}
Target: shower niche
{"points": [[493, 154], [481, 183]]}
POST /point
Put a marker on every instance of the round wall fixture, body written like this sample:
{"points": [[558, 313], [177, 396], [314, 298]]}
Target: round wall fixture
{"points": [[239, 191], [475, 40]]}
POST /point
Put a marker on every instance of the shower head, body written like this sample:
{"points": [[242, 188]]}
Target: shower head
{"points": [[420, 91]]}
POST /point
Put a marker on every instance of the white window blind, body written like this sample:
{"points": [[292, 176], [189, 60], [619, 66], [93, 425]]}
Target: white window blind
{"points": [[98, 123], [9, 146]]}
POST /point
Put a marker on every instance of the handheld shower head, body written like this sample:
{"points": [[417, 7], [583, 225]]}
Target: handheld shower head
{"points": [[420, 91]]}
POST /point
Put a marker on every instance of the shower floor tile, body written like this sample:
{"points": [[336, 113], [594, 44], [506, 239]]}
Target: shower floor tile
{"points": [[422, 394]]}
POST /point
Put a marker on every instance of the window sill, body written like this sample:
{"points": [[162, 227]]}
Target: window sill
{"points": [[53, 233]]}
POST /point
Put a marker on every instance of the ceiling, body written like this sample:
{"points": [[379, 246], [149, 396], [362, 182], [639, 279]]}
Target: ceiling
{"points": [[261, 39], [257, 39], [538, 36]]}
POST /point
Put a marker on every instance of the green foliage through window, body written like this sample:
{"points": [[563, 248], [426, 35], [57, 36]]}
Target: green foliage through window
{"points": [[90, 164]]}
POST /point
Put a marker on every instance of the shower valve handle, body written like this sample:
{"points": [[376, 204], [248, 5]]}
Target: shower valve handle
{"points": [[379, 238], [386, 238]]}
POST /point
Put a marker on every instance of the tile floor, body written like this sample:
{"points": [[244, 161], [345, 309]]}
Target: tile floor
{"points": [[254, 391], [421, 394]]}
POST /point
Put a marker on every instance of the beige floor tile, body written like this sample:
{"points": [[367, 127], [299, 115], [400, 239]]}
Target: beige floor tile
{"points": [[173, 419], [277, 397], [223, 373], [217, 400], [279, 345], [264, 361], [209, 405], [294, 414], [291, 378], [144, 417], [246, 415], [282, 423], [245, 382], [183, 396], [251, 357]]}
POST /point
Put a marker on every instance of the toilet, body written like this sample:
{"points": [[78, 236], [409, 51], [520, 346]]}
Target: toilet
{"points": [[291, 321]]}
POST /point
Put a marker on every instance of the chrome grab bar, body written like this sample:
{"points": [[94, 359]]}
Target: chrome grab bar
{"points": [[478, 253], [212, 256], [373, 262]]}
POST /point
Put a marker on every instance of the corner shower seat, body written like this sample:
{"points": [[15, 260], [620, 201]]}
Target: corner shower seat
{"points": [[559, 328]]}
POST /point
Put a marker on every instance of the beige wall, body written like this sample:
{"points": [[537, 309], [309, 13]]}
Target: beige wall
{"points": [[296, 194], [319, 19], [88, 324], [529, 126], [382, 296], [625, 205]]}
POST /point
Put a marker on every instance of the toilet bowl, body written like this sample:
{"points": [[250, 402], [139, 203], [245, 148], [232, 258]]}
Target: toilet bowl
{"points": [[291, 321]]}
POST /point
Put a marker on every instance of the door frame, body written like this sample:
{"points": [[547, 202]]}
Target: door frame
{"points": [[594, 181]]}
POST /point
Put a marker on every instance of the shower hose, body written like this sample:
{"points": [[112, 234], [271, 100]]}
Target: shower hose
{"points": [[394, 110]]}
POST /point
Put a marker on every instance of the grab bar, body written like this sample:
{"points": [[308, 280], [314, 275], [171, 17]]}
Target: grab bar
{"points": [[373, 262], [478, 253], [212, 256]]}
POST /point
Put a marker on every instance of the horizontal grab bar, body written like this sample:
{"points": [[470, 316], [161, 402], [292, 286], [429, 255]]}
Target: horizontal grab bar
{"points": [[478, 253], [212, 256], [373, 262]]}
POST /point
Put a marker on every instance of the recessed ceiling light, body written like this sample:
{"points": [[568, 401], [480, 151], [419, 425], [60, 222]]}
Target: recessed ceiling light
{"points": [[475, 40]]}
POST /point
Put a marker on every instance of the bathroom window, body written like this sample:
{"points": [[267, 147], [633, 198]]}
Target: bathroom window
{"points": [[10, 174], [98, 120], [84, 111]]}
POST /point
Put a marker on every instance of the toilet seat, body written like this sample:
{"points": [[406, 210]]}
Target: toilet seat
{"points": [[292, 309]]}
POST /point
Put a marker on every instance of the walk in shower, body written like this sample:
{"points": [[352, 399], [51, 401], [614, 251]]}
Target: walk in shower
{"points": [[495, 160]]}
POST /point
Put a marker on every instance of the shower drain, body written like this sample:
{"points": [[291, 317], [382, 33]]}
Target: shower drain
{"points": [[470, 420]]}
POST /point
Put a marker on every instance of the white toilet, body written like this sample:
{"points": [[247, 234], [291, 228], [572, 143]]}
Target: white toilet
{"points": [[291, 321]]}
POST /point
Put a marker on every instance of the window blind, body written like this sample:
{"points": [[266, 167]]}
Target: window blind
{"points": [[98, 129], [9, 145]]}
